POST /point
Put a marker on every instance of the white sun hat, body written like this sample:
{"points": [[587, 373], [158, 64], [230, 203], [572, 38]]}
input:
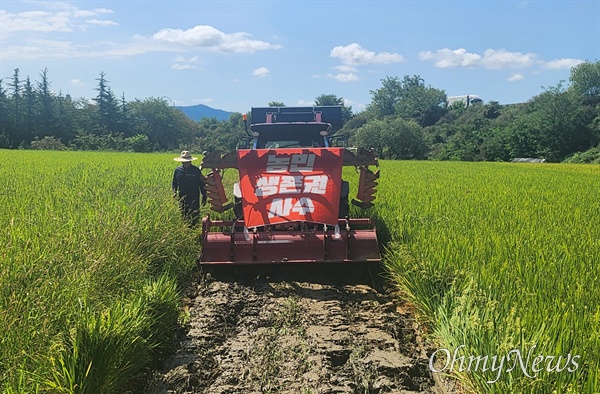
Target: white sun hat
{"points": [[185, 157]]}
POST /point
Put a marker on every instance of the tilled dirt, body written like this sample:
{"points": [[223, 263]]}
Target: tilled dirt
{"points": [[280, 333]]}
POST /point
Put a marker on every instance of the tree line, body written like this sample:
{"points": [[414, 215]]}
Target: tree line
{"points": [[406, 119]]}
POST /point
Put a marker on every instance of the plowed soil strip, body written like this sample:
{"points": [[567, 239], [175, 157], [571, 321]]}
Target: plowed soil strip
{"points": [[270, 335]]}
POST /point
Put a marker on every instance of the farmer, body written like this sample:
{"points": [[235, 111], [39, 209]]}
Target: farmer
{"points": [[189, 182]]}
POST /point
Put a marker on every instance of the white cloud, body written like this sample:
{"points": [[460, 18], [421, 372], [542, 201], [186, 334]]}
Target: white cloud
{"points": [[40, 21], [261, 72], [99, 22], [515, 77], [344, 77], [356, 55], [53, 17], [346, 68], [492, 59], [46, 49], [497, 59], [76, 83], [562, 64], [208, 37], [61, 17], [305, 103], [35, 49], [353, 55], [447, 58], [78, 13]]}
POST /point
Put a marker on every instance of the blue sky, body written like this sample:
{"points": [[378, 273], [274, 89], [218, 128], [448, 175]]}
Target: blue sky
{"points": [[234, 55]]}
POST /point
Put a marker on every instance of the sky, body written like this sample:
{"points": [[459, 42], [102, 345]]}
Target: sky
{"points": [[235, 55]]}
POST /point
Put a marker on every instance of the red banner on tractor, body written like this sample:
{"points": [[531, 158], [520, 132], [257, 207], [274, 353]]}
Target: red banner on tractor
{"points": [[287, 185]]}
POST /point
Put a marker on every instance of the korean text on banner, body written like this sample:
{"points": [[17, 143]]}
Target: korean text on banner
{"points": [[286, 185]]}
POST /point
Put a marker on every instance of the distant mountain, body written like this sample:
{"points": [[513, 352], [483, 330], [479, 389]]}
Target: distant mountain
{"points": [[197, 112]]}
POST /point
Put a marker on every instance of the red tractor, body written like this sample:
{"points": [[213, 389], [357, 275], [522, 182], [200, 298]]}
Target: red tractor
{"points": [[291, 203]]}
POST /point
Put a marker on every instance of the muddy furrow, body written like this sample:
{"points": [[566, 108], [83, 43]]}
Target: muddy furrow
{"points": [[280, 335]]}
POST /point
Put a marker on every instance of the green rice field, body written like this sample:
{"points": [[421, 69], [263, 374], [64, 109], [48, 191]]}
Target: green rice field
{"points": [[500, 261], [500, 258], [92, 257]]}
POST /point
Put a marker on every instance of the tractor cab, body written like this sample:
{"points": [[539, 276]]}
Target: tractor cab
{"points": [[294, 127]]}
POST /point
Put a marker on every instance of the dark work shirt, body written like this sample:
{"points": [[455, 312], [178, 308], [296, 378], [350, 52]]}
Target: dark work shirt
{"points": [[189, 182]]}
